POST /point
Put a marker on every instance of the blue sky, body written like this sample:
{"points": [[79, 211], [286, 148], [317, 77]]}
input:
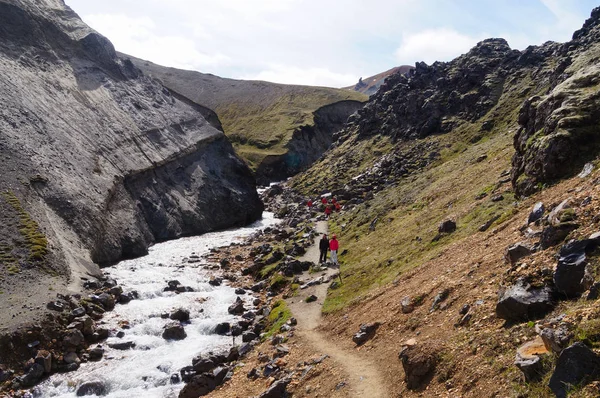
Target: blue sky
{"points": [[321, 42]]}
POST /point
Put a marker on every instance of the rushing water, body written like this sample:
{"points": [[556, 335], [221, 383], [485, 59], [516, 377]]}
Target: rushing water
{"points": [[145, 370]]}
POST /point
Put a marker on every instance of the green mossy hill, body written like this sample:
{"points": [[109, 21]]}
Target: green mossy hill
{"points": [[425, 149], [259, 117]]}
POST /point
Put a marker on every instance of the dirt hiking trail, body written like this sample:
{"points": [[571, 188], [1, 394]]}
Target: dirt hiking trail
{"points": [[363, 379]]}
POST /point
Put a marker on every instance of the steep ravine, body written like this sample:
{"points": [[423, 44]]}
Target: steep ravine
{"points": [[308, 142]]}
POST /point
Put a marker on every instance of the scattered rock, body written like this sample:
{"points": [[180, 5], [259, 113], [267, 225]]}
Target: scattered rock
{"points": [[536, 213], [528, 359], [237, 308], [447, 226], [223, 328], [95, 387], [418, 363], [575, 365], [174, 331], [311, 298], [181, 315], [277, 389], [407, 305], [125, 345], [522, 302], [199, 385], [517, 251], [553, 235], [439, 298], [571, 276], [96, 353], [366, 332], [557, 339]]}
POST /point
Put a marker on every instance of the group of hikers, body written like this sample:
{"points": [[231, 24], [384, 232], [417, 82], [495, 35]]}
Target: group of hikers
{"points": [[329, 205], [328, 245]]}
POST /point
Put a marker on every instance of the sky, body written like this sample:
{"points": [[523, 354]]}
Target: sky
{"points": [[321, 42]]}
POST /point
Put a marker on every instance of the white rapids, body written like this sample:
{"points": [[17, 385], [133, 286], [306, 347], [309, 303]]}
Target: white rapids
{"points": [[145, 370]]}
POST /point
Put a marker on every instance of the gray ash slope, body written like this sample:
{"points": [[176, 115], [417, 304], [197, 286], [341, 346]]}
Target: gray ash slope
{"points": [[98, 161]]}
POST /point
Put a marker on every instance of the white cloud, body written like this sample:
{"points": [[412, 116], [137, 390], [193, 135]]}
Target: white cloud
{"points": [[432, 45], [138, 37], [306, 76]]}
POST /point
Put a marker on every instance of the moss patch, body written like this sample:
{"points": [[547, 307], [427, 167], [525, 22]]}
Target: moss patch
{"points": [[280, 314], [29, 230]]}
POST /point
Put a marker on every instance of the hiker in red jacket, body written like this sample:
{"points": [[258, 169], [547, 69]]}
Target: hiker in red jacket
{"points": [[333, 248], [337, 207], [309, 203], [327, 211], [324, 200]]}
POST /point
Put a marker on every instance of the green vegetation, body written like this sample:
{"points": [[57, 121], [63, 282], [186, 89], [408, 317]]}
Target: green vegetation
{"points": [[29, 229], [280, 314], [410, 210]]}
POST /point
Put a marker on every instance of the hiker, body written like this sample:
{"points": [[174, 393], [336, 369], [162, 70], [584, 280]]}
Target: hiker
{"points": [[323, 247], [327, 211], [337, 207], [309, 203], [324, 200], [333, 247]]}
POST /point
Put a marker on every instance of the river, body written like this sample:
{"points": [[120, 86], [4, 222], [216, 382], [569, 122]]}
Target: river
{"points": [[145, 370]]}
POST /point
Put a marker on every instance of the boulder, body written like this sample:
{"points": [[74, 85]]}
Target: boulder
{"points": [[366, 332], [552, 235], [180, 314], [523, 302], [447, 226], [575, 365], [536, 213], [44, 358], [277, 389], [199, 385], [517, 251], [237, 308], [71, 357], [557, 339], [571, 277], [96, 353], [222, 328], [311, 298], [79, 311], [174, 331], [33, 375], [125, 345], [95, 387], [418, 363], [203, 364], [248, 337], [407, 305], [528, 359], [73, 338]]}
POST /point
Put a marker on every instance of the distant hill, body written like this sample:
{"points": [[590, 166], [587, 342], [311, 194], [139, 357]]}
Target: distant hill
{"points": [[272, 126], [370, 85]]}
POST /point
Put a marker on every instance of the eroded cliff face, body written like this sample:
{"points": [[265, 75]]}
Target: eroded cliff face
{"points": [[103, 159], [308, 142]]}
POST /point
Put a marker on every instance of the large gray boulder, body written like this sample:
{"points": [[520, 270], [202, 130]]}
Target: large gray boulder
{"points": [[576, 365], [522, 302], [572, 276]]}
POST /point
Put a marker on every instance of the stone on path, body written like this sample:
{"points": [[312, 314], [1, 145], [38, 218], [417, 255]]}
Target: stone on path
{"points": [[575, 365]]}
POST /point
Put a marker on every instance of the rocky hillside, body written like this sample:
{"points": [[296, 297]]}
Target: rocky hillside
{"points": [[438, 175], [370, 85], [99, 161], [278, 129]]}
